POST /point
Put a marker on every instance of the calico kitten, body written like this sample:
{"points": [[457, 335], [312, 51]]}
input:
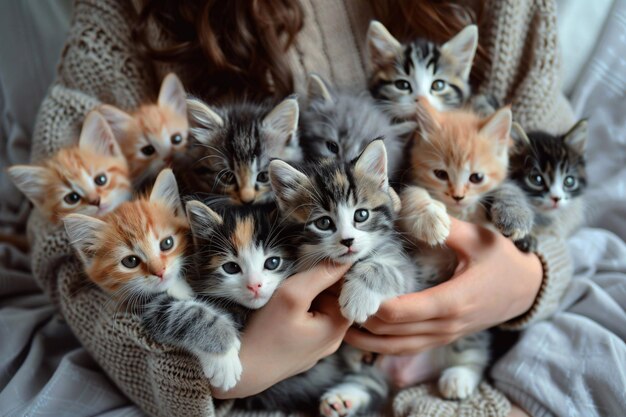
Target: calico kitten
{"points": [[89, 178], [139, 249], [340, 124], [551, 170], [346, 214], [154, 134], [234, 146], [402, 73]]}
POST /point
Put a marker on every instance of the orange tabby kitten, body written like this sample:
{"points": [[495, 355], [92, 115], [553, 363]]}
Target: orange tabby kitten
{"points": [[139, 248], [154, 134], [89, 178]]}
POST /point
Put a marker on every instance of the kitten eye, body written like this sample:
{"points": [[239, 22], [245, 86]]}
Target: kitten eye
{"points": [[438, 85], [231, 268], [148, 150], [332, 146], [176, 138], [536, 179], [72, 198], [476, 178], [100, 179], [324, 223], [403, 85], [361, 215], [262, 177], [272, 263], [167, 243], [570, 182], [130, 261], [228, 178], [441, 174]]}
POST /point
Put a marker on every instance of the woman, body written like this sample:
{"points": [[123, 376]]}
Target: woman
{"points": [[117, 52]]}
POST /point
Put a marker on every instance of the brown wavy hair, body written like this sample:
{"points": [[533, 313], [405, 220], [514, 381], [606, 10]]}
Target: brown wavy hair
{"points": [[238, 47]]}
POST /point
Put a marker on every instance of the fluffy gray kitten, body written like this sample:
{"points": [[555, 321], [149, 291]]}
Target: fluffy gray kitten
{"points": [[339, 124]]}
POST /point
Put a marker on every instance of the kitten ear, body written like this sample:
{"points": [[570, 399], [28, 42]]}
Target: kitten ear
{"points": [[318, 90], [204, 117], [576, 138], [281, 123], [382, 47], [118, 120], [30, 180], [520, 139], [427, 116], [497, 127], [462, 48], [202, 220], [289, 184], [165, 190], [373, 162], [172, 94], [96, 136], [83, 232]]}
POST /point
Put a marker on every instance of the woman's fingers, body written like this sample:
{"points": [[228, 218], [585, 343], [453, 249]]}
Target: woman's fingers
{"points": [[394, 345], [327, 309], [300, 290], [449, 327], [466, 237]]}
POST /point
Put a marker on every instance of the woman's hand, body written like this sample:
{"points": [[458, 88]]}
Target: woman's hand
{"points": [[300, 325], [494, 282]]}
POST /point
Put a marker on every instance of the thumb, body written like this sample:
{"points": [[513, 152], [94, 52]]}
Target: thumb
{"points": [[312, 282], [466, 236]]}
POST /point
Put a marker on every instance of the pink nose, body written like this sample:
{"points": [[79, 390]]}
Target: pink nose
{"points": [[160, 273], [254, 287]]}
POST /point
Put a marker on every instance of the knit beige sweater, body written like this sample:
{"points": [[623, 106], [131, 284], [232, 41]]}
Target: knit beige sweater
{"points": [[100, 64]]}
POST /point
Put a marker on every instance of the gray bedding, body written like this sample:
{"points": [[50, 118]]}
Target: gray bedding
{"points": [[577, 360]]}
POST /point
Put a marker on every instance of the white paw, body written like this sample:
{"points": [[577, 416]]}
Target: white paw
{"points": [[180, 290], [337, 404], [223, 371], [357, 307], [458, 382], [432, 224]]}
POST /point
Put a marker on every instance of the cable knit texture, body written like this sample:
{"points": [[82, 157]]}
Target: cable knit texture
{"points": [[100, 64]]}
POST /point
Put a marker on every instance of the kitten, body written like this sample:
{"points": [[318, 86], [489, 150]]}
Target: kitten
{"points": [[154, 134], [346, 214], [402, 73], [89, 178], [340, 124], [458, 161], [139, 249], [234, 146], [551, 170]]}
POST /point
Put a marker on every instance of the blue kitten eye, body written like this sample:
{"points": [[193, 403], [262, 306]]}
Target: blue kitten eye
{"points": [[228, 178], [72, 198], [324, 223], [441, 174], [100, 179], [167, 243], [176, 138], [438, 85], [131, 261], [148, 150], [263, 177], [332, 146], [361, 215], [231, 268], [272, 263], [403, 85], [570, 182], [476, 178]]}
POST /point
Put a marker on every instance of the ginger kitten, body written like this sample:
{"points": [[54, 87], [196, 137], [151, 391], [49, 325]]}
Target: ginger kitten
{"points": [[153, 135], [139, 249], [90, 178]]}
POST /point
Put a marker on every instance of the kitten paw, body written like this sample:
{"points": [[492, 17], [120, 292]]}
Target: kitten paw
{"points": [[458, 382], [527, 244], [223, 371], [342, 402], [433, 224], [515, 222], [358, 306]]}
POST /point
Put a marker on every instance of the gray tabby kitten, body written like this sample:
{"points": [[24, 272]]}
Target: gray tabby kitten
{"points": [[551, 171], [340, 124], [346, 212], [400, 75], [232, 147]]}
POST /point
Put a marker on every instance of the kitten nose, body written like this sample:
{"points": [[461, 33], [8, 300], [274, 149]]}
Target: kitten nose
{"points": [[556, 199], [246, 195], [95, 202], [347, 242], [160, 273], [458, 197], [254, 288]]}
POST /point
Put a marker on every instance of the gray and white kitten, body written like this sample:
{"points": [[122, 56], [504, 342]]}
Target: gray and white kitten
{"points": [[402, 74], [232, 146], [340, 124], [346, 213]]}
